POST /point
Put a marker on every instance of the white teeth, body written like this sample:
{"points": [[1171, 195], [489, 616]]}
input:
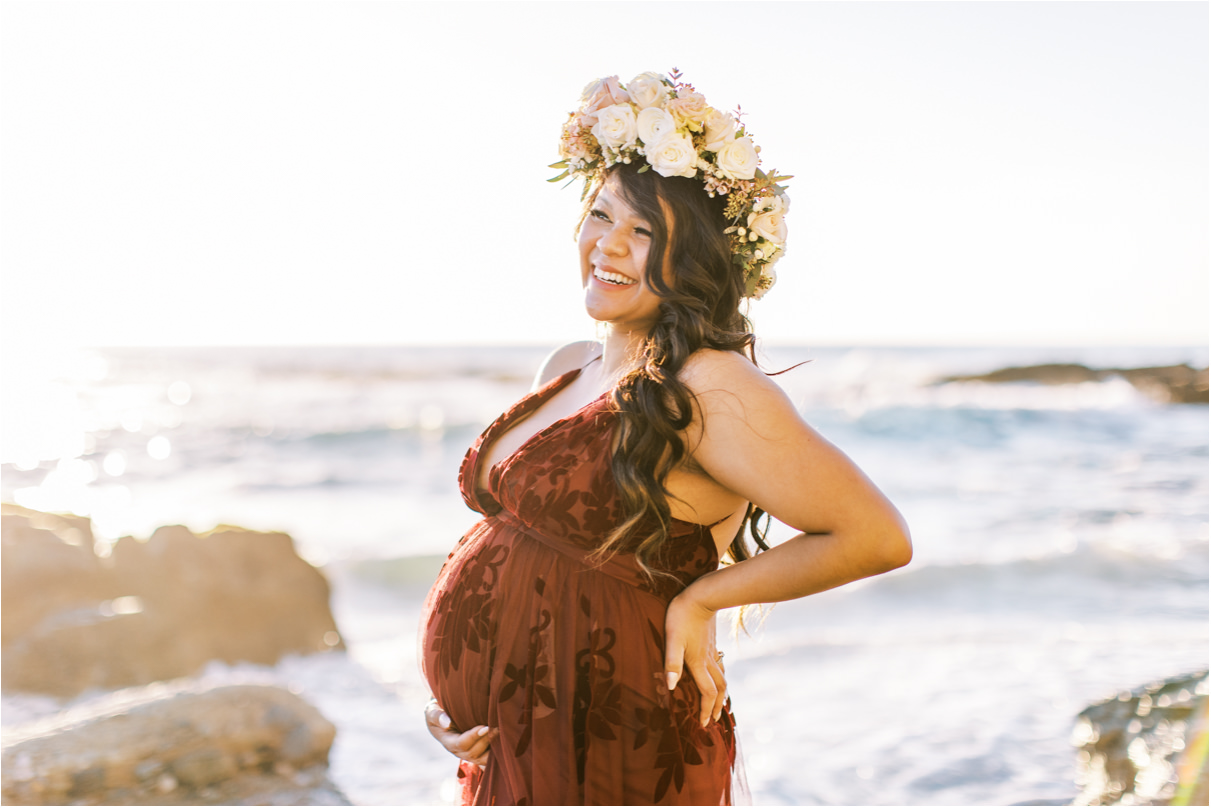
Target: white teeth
{"points": [[612, 277]]}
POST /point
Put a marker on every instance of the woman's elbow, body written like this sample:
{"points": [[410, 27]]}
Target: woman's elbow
{"points": [[895, 547]]}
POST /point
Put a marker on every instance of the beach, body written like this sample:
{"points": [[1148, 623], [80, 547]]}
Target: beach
{"points": [[1060, 535]]}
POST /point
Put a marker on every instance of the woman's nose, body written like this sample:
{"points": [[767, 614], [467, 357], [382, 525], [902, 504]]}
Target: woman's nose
{"points": [[612, 242]]}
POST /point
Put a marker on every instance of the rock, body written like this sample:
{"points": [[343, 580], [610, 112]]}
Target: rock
{"points": [[152, 610], [1170, 384], [1147, 746], [179, 744], [1175, 384]]}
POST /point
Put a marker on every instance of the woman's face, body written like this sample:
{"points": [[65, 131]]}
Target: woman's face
{"points": [[614, 243]]}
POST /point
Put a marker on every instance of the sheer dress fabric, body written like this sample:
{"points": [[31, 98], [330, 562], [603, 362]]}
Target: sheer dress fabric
{"points": [[522, 631]]}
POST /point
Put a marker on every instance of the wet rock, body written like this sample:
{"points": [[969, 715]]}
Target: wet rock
{"points": [[1170, 384], [178, 744], [1147, 746], [152, 610]]}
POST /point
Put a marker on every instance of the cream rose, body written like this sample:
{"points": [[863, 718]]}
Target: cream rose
{"points": [[647, 90], [688, 109], [738, 159], [654, 124], [673, 156], [770, 225], [615, 126], [720, 130], [601, 93]]}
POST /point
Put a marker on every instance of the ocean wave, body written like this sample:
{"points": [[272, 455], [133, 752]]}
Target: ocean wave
{"points": [[1089, 580]]}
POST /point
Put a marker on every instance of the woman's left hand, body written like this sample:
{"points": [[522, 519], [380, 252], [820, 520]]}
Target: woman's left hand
{"points": [[689, 644]]}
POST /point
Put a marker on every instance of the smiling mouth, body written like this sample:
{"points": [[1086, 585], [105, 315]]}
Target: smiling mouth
{"points": [[613, 278]]}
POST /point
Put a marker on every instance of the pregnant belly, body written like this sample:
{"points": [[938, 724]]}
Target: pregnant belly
{"points": [[460, 623]]}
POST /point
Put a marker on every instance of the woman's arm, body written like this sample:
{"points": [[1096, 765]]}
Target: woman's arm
{"points": [[749, 438]]}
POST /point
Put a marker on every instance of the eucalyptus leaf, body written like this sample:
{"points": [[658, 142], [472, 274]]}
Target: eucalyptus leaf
{"points": [[646, 166], [560, 177], [560, 164]]}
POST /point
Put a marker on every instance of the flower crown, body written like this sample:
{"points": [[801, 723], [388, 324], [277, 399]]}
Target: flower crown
{"points": [[668, 124]]}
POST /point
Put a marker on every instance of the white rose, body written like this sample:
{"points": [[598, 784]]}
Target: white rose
{"points": [[720, 130], [738, 159], [654, 124], [776, 203], [647, 90], [770, 225], [673, 156], [615, 126]]}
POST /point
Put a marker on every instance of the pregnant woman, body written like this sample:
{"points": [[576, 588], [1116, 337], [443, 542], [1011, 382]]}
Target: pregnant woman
{"points": [[569, 640]]}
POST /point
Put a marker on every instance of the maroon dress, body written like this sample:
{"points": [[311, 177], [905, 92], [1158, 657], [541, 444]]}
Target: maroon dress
{"points": [[522, 631]]}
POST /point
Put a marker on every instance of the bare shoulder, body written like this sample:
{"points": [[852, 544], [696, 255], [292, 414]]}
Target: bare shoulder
{"points": [[728, 380], [566, 358]]}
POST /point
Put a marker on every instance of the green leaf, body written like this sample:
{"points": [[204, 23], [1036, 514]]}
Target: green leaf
{"points": [[646, 166], [560, 164], [560, 177]]}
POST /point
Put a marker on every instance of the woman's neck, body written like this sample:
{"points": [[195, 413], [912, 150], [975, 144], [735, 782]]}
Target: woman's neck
{"points": [[620, 353]]}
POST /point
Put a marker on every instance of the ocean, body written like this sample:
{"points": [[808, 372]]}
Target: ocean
{"points": [[1060, 537]]}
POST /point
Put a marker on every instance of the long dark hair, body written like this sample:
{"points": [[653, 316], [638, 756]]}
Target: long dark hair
{"points": [[699, 308]]}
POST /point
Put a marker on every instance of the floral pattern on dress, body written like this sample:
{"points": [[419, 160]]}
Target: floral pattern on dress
{"points": [[523, 631]]}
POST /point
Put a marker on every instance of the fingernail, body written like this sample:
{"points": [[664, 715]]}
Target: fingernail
{"points": [[443, 721], [483, 731]]}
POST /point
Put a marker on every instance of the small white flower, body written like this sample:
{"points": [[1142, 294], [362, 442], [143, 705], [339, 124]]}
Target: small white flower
{"points": [[765, 282]]}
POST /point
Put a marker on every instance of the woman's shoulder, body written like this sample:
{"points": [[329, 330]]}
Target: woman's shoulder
{"points": [[708, 368], [728, 380], [565, 358]]}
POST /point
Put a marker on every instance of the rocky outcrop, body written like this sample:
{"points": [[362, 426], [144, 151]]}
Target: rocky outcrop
{"points": [[150, 610], [175, 744], [1171, 384], [1146, 747]]}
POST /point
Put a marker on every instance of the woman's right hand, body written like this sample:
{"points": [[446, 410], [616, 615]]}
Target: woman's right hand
{"points": [[471, 746]]}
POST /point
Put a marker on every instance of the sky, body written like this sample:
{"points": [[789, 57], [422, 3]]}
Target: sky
{"points": [[299, 173]]}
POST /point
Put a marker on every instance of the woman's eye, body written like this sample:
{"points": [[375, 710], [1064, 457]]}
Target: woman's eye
{"points": [[599, 214], [643, 231]]}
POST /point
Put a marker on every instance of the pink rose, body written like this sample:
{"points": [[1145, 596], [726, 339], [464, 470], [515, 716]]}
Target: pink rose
{"points": [[599, 94], [689, 109]]}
